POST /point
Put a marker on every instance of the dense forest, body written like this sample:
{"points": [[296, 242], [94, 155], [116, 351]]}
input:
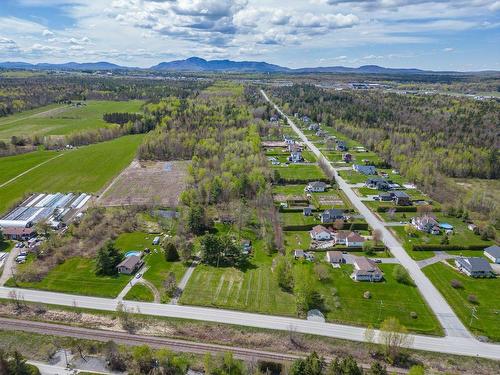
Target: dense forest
{"points": [[20, 94], [428, 137]]}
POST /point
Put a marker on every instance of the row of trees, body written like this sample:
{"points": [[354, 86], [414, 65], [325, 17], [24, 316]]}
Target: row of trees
{"points": [[15, 364]]}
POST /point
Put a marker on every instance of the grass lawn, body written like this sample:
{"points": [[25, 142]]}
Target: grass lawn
{"points": [[388, 298], [352, 177], [300, 172], [289, 189], [159, 268], [488, 306], [86, 169], [64, 119], [254, 289], [365, 191], [308, 156], [297, 218], [76, 276], [296, 240], [139, 292], [461, 236], [11, 166]]}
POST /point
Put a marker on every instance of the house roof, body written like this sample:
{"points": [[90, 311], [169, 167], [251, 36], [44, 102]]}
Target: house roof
{"points": [[334, 256], [475, 264], [317, 184], [355, 237], [494, 251], [130, 262], [17, 231], [298, 253], [400, 194], [333, 212], [364, 264], [307, 209], [426, 219], [319, 229]]}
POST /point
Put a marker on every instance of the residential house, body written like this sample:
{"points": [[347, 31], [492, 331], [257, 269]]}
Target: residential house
{"points": [[296, 154], [18, 233], [340, 237], [385, 197], [246, 246], [377, 183], [347, 157], [321, 133], [305, 119], [353, 239], [365, 169], [313, 127], [334, 257], [320, 233], [401, 198], [298, 254], [342, 146], [307, 211], [425, 223], [366, 270], [273, 119], [316, 187], [329, 216], [474, 267], [130, 264], [288, 140], [493, 253]]}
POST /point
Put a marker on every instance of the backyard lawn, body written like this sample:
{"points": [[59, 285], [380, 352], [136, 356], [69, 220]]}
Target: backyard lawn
{"points": [[297, 240], [77, 276], [297, 218], [352, 177], [295, 172], [485, 290], [388, 298], [86, 169]]}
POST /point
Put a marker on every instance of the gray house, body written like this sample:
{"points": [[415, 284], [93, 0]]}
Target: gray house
{"points": [[130, 264], [474, 267], [493, 253], [329, 216], [365, 169]]}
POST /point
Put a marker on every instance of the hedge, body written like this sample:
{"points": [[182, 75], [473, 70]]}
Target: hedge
{"points": [[403, 208], [439, 247], [347, 226], [297, 181]]}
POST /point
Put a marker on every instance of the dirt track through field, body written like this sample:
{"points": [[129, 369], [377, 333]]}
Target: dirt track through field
{"points": [[39, 114]]}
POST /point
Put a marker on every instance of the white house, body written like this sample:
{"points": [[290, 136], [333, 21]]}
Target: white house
{"points": [[366, 270], [320, 233], [493, 253], [353, 239]]}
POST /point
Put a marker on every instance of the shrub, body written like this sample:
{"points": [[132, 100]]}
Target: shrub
{"points": [[413, 315], [401, 275], [456, 284], [472, 298]]}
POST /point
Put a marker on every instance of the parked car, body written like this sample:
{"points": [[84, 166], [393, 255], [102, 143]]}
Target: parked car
{"points": [[138, 276], [378, 261]]}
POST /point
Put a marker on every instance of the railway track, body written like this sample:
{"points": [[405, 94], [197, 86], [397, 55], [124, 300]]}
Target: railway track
{"points": [[176, 345]]}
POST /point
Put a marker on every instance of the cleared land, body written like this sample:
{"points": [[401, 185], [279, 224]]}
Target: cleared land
{"points": [[11, 166], [87, 169], [304, 172], [141, 183], [487, 306], [63, 119]]}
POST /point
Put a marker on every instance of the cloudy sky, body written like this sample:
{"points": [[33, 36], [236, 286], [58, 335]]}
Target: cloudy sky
{"points": [[429, 34]]}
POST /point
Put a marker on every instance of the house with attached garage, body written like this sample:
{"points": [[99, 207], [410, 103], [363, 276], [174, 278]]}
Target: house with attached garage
{"points": [[366, 270], [315, 187], [493, 253], [474, 267], [329, 216], [313, 127], [335, 257], [401, 198], [295, 154], [365, 169], [377, 183], [353, 239], [130, 264], [426, 223], [320, 233]]}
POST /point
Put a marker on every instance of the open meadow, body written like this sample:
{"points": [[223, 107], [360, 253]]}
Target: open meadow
{"points": [[86, 169], [12, 166], [63, 119]]}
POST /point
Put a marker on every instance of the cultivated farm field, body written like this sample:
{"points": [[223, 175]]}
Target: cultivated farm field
{"points": [[63, 119], [11, 166], [147, 182], [86, 169]]}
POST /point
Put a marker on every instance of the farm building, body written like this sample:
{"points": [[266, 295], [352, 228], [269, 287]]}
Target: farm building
{"points": [[54, 209]]}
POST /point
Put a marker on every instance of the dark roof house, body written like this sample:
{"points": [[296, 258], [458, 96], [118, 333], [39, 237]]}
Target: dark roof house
{"points": [[474, 267], [329, 216]]}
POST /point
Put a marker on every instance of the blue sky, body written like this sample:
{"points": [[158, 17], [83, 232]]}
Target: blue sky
{"points": [[439, 34]]}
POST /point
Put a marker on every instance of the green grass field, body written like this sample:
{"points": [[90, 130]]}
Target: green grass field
{"points": [[139, 292], [296, 240], [159, 268], [11, 166], [297, 218], [388, 298], [63, 119], [86, 169], [300, 172], [487, 308], [352, 177], [77, 276], [254, 289]]}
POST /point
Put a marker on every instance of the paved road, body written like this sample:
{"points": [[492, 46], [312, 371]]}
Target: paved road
{"points": [[440, 256], [452, 325], [451, 345]]}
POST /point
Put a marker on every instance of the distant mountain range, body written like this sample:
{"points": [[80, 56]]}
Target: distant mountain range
{"points": [[197, 64]]}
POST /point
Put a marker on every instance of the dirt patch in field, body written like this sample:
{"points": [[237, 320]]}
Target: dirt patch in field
{"points": [[330, 200], [145, 183]]}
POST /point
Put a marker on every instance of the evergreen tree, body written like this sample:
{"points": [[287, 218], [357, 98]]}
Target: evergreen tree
{"points": [[313, 364], [171, 254], [108, 257]]}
